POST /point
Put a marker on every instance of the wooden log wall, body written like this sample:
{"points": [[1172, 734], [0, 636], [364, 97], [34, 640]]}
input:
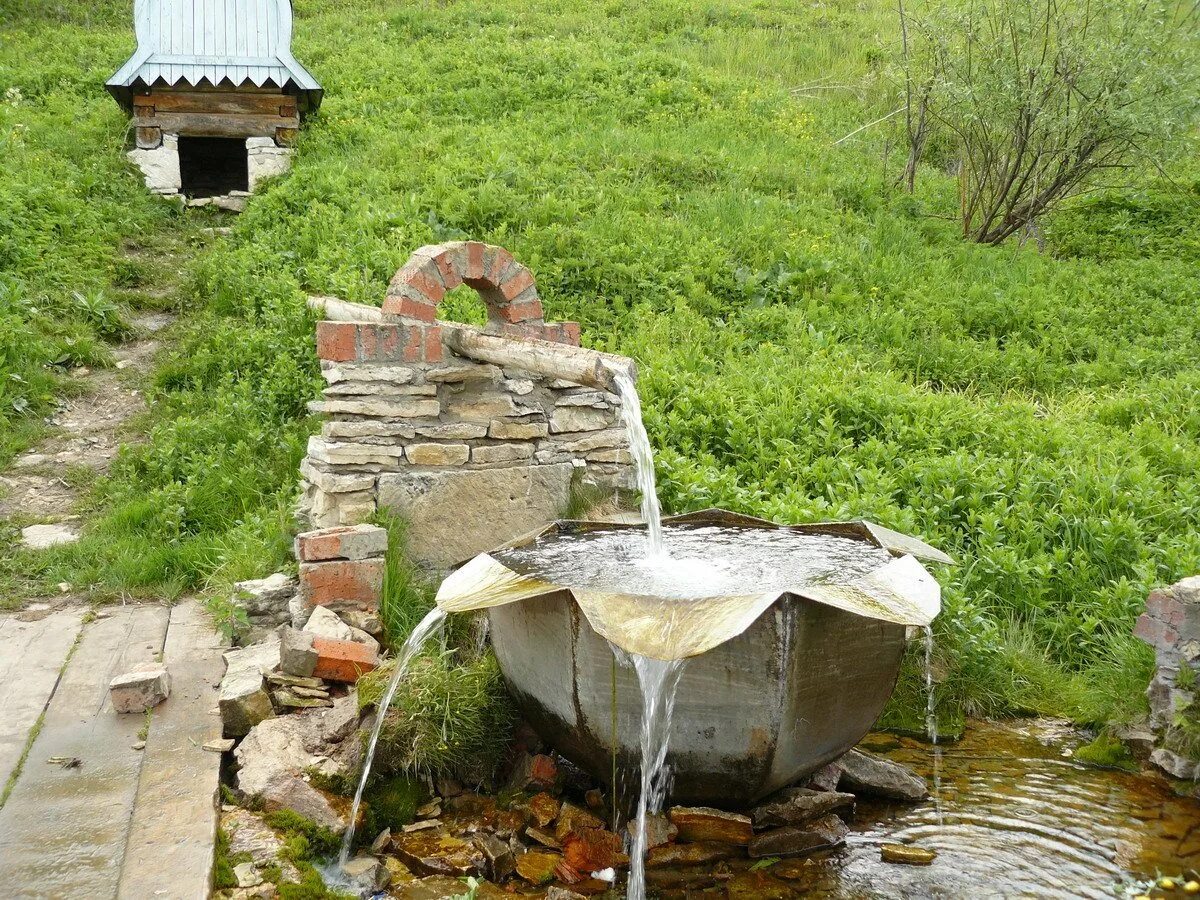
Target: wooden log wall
{"points": [[212, 113]]}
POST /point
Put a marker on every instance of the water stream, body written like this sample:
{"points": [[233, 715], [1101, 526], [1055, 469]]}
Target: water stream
{"points": [[427, 628], [643, 460], [657, 680], [931, 730]]}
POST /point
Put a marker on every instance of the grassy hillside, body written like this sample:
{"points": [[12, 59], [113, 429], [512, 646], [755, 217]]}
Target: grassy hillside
{"points": [[813, 343]]}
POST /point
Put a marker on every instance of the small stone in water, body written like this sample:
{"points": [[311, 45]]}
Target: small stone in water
{"points": [[1191, 887], [906, 854], [798, 840], [537, 866], [422, 825], [704, 853], [659, 830], [542, 837], [544, 808], [381, 841], [594, 799], [703, 823], [430, 810], [795, 806]]}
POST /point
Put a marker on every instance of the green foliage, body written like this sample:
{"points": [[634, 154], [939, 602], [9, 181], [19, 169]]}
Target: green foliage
{"points": [[1042, 97], [1106, 752], [311, 887], [811, 343], [392, 803], [447, 718], [407, 594], [223, 864], [304, 839]]}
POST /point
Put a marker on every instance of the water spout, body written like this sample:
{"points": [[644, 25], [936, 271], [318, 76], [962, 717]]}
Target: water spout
{"points": [[427, 628], [931, 723], [643, 460]]}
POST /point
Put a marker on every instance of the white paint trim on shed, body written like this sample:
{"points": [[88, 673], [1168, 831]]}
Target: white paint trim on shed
{"points": [[215, 41]]}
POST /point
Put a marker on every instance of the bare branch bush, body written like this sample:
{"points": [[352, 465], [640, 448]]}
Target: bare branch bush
{"points": [[1043, 98]]}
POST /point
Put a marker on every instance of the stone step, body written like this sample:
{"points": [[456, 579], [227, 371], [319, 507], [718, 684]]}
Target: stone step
{"points": [[174, 827], [64, 828], [32, 654]]}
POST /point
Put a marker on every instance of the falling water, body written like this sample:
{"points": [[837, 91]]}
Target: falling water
{"points": [[431, 624], [643, 460], [658, 680], [931, 723]]}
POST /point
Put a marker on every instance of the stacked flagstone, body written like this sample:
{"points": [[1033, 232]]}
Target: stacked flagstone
{"points": [[470, 453], [1171, 625]]}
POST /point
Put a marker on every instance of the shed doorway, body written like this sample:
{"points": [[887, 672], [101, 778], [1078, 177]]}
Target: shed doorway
{"points": [[212, 167]]}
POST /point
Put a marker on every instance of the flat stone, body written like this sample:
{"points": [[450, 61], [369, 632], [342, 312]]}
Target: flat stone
{"points": [[596, 440], [293, 699], [698, 854], [355, 431], [42, 537], [703, 823], [907, 854], [282, 678], [327, 624], [296, 654], [437, 454], [482, 407], [798, 840], [247, 875], [517, 500], [499, 861], [659, 830], [223, 745], [825, 778], [415, 408], [367, 872], [243, 697], [347, 454], [336, 372], [453, 431], [267, 598], [863, 773], [509, 430], [1175, 765], [537, 866], [141, 689], [579, 418], [345, 542], [434, 852], [460, 372], [349, 390], [501, 453], [795, 806]]}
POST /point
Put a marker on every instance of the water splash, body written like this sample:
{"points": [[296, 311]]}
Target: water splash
{"points": [[427, 628], [931, 729], [643, 460], [658, 680]]}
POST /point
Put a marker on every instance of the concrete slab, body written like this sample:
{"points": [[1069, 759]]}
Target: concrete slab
{"points": [[63, 830], [31, 657], [174, 827]]}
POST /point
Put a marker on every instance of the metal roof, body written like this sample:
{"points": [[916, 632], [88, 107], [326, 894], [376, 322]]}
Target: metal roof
{"points": [[215, 41]]}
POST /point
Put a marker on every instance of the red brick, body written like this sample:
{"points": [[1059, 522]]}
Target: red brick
{"points": [[414, 345], [499, 263], [424, 278], [336, 341], [421, 310], [568, 333], [433, 344], [522, 311], [474, 268], [357, 582], [442, 256], [387, 347], [343, 660], [518, 280], [343, 542]]}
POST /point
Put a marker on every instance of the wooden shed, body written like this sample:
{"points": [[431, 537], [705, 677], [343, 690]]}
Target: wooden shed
{"points": [[215, 93]]}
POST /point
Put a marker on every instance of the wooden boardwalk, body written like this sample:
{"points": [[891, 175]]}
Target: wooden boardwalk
{"points": [[119, 822]]}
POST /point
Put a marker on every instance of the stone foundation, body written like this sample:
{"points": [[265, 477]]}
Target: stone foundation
{"points": [[160, 169], [1171, 625], [470, 453]]}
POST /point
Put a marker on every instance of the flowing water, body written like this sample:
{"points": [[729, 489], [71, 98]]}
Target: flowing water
{"points": [[643, 460], [931, 730], [657, 680], [427, 628]]}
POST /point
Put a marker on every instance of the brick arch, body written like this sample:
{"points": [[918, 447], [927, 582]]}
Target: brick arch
{"points": [[506, 287]]}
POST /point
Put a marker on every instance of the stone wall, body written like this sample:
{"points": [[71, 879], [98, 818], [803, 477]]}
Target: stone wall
{"points": [[1171, 625], [471, 454], [160, 166]]}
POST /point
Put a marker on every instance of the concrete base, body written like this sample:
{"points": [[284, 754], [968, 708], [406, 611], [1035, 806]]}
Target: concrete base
{"points": [[160, 166]]}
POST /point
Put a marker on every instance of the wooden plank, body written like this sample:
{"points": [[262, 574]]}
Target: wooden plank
{"points": [[217, 125], [174, 827], [63, 830], [234, 102], [31, 657]]}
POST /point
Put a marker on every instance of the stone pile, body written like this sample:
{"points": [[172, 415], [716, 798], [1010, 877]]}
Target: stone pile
{"points": [[470, 453], [1171, 625]]}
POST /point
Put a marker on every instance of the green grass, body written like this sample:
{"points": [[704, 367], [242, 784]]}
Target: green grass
{"points": [[813, 343]]}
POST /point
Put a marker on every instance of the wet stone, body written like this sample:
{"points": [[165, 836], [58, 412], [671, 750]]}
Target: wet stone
{"points": [[537, 866], [499, 862], [703, 823], [570, 817], [795, 806], [906, 854], [697, 854], [593, 849], [867, 774], [533, 772], [796, 840], [434, 852], [659, 830], [825, 778], [545, 838], [367, 872], [544, 808]]}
